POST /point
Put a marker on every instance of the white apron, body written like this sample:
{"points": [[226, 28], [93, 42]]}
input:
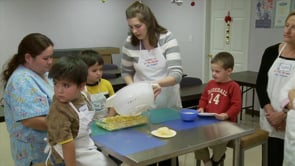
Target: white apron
{"points": [[289, 146], [86, 151], [99, 103], [152, 66], [278, 75]]}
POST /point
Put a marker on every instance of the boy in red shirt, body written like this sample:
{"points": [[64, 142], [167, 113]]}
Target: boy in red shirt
{"points": [[221, 96]]}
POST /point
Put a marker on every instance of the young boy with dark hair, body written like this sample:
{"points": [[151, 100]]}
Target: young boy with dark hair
{"points": [[69, 117], [98, 88]]}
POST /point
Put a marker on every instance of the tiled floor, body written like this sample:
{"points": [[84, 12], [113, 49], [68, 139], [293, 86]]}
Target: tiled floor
{"points": [[252, 156]]}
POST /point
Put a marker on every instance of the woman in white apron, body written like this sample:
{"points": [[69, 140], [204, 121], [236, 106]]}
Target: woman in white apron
{"points": [[277, 65], [152, 54]]}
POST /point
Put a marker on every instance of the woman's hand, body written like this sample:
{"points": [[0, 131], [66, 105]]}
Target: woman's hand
{"points": [[157, 89], [281, 126], [275, 118]]}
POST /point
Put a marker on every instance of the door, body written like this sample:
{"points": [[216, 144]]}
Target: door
{"points": [[237, 45]]}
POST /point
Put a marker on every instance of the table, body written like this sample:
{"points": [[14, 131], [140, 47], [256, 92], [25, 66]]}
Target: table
{"points": [[247, 81], [190, 137]]}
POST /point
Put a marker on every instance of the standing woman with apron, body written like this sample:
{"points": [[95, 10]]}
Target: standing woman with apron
{"points": [[277, 66], [151, 53]]}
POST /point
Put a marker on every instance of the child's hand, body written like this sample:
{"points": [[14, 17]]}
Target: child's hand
{"points": [[200, 110], [112, 111], [222, 116]]}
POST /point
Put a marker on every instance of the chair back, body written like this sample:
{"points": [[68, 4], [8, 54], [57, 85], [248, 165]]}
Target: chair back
{"points": [[109, 67], [190, 81], [107, 74]]}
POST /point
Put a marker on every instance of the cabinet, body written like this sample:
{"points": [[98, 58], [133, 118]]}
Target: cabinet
{"points": [[106, 52]]}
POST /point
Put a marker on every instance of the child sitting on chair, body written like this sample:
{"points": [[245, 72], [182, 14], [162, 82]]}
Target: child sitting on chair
{"points": [[69, 117], [223, 97], [98, 88]]}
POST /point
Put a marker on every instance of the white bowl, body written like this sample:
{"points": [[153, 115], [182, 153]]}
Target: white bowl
{"points": [[133, 99]]}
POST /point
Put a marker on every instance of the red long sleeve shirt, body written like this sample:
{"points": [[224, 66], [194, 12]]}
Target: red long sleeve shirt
{"points": [[222, 98]]}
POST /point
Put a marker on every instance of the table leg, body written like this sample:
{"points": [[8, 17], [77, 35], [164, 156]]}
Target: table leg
{"points": [[236, 152], [242, 98], [252, 106]]}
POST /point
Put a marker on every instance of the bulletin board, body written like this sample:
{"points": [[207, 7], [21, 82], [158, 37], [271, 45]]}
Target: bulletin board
{"points": [[272, 13]]}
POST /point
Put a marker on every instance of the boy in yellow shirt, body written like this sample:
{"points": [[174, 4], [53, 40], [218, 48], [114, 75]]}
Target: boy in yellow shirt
{"points": [[98, 88]]}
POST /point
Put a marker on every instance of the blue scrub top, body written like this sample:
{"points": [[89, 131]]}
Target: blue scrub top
{"points": [[26, 95]]}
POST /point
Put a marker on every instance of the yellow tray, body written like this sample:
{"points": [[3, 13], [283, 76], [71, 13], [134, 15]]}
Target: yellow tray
{"points": [[120, 122]]}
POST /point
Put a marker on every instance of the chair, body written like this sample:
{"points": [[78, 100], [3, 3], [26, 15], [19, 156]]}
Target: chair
{"points": [[110, 67], [110, 71], [259, 137], [190, 81]]}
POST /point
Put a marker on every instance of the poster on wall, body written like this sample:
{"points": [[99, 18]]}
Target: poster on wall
{"points": [[264, 13], [282, 11]]}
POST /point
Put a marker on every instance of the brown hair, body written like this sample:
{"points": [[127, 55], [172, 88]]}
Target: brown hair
{"points": [[146, 16], [91, 57], [289, 15], [225, 59], [34, 44]]}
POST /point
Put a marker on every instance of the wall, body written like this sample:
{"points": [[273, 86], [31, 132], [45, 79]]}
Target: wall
{"points": [[91, 23], [70, 24], [260, 39], [187, 23]]}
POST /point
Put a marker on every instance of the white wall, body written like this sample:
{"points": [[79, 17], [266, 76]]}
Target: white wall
{"points": [[187, 25], [91, 23], [69, 23], [259, 40]]}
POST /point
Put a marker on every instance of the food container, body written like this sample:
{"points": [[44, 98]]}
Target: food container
{"points": [[120, 122], [188, 115]]}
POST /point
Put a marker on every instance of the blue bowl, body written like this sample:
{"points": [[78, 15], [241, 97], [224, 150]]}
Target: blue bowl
{"points": [[188, 115]]}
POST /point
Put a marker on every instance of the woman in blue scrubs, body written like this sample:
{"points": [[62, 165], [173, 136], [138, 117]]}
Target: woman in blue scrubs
{"points": [[27, 96]]}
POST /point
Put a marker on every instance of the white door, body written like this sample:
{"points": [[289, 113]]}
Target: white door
{"points": [[240, 11]]}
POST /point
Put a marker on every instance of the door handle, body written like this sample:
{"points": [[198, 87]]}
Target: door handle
{"points": [[210, 55]]}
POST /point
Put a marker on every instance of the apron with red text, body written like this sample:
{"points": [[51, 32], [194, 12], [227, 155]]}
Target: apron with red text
{"points": [[279, 73], [152, 67]]}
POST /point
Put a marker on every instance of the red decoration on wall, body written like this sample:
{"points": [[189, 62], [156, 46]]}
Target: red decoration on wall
{"points": [[193, 3], [228, 20]]}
